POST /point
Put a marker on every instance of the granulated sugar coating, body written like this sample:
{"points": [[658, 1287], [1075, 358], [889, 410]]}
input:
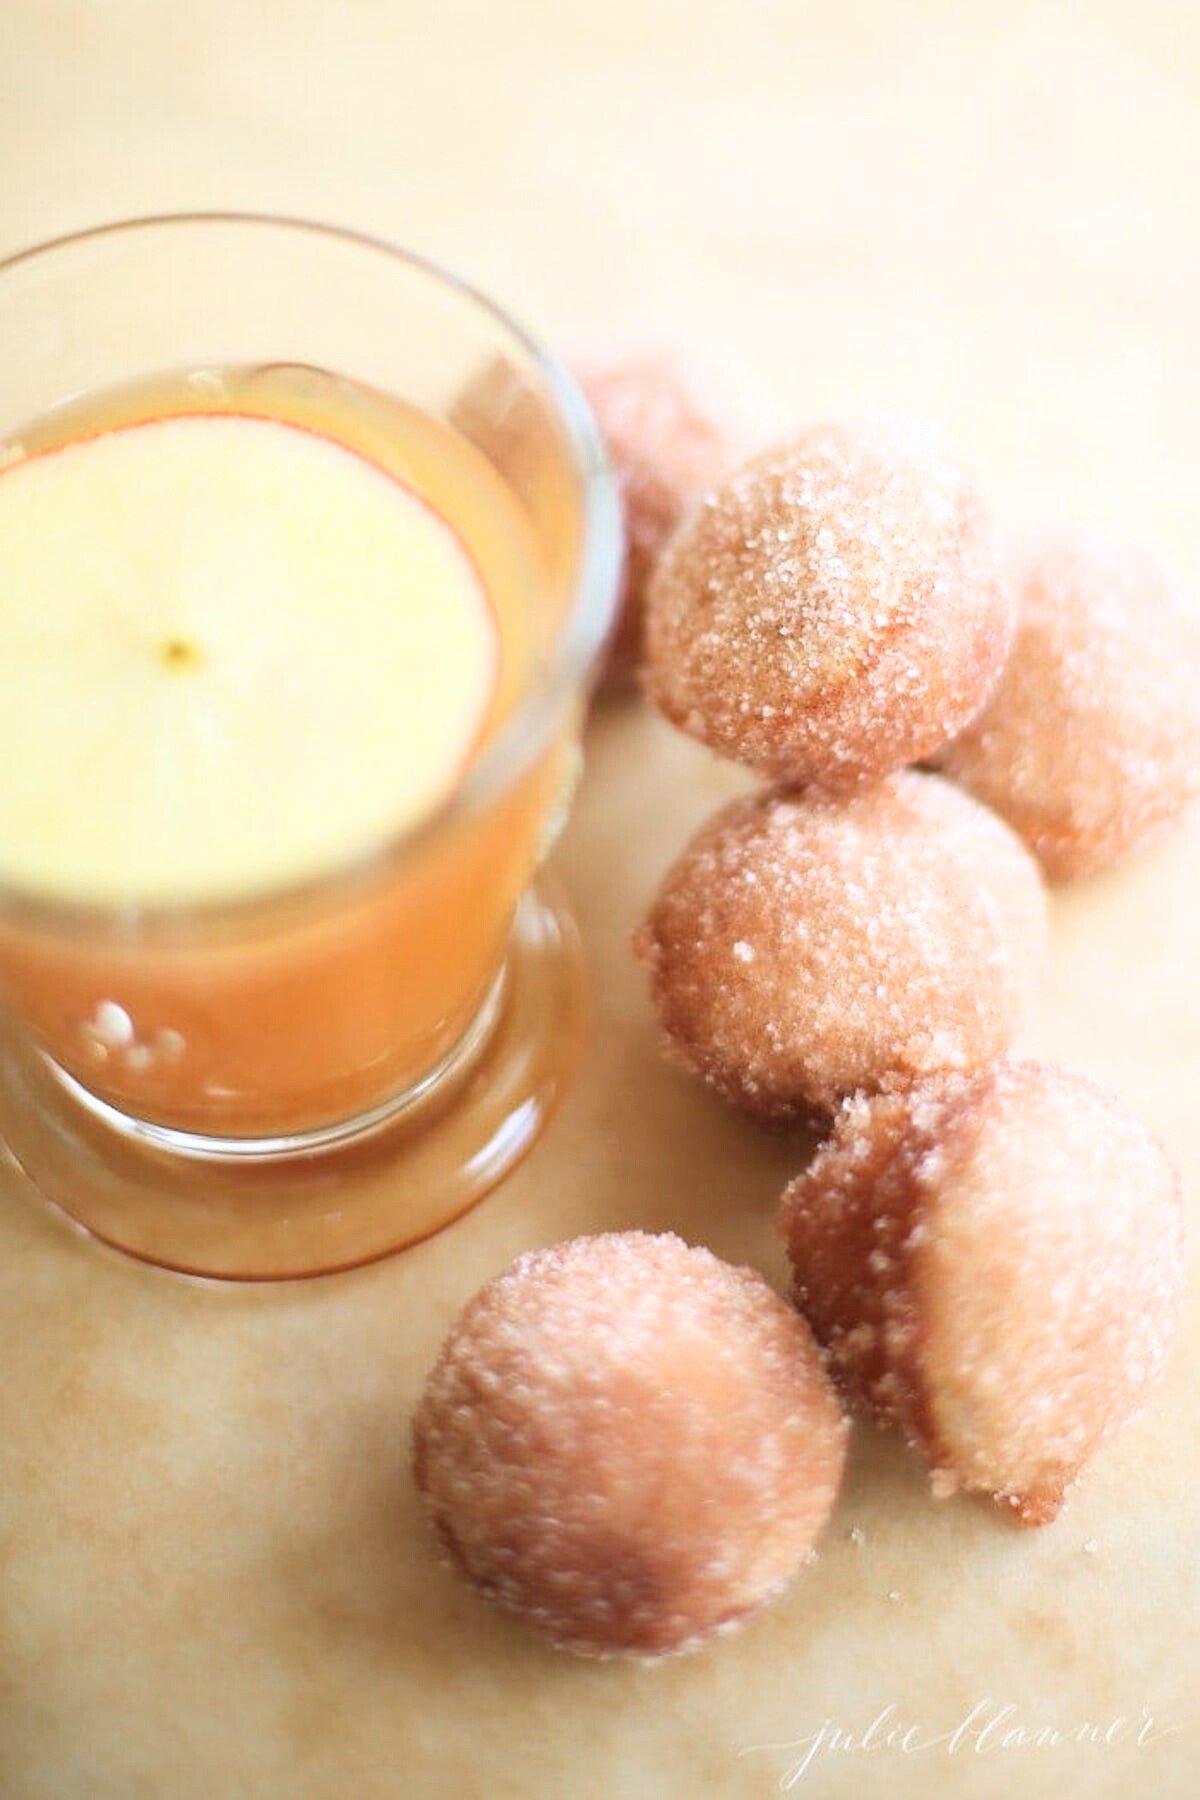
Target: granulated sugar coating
{"points": [[831, 612], [803, 947], [628, 1444], [995, 1265], [666, 449], [1091, 742]]}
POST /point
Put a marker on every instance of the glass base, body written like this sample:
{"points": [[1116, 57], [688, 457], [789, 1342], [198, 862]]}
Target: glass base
{"points": [[276, 1209]]}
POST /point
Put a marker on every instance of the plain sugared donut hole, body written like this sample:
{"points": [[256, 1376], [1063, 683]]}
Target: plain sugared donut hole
{"points": [[1090, 745], [994, 1266], [628, 1444], [803, 947], [666, 449], [831, 611]]}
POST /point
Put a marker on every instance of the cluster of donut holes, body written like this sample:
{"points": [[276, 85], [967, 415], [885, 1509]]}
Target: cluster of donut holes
{"points": [[632, 1447], [835, 610], [627, 1443], [838, 606], [869, 936]]}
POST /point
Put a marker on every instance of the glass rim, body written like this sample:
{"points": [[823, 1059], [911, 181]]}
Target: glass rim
{"points": [[573, 652]]}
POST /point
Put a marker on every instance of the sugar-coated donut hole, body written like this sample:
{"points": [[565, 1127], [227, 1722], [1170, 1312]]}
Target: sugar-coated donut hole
{"points": [[1091, 742], [994, 1265], [831, 612], [628, 1444], [667, 447], [802, 947]]}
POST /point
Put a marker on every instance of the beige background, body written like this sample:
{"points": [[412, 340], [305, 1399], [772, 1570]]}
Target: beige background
{"points": [[212, 1577]]}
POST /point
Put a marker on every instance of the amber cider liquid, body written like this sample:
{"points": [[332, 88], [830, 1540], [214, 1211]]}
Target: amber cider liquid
{"points": [[297, 1009]]}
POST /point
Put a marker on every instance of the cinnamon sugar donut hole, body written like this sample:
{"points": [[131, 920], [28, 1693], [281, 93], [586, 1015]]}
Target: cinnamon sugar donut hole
{"points": [[802, 947], [1091, 742], [666, 450], [994, 1264], [628, 1444], [831, 612]]}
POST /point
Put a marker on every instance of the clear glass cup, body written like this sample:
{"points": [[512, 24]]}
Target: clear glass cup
{"points": [[298, 1080]]}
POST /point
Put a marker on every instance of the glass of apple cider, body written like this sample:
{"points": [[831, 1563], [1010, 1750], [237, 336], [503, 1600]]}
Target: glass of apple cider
{"points": [[307, 555]]}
